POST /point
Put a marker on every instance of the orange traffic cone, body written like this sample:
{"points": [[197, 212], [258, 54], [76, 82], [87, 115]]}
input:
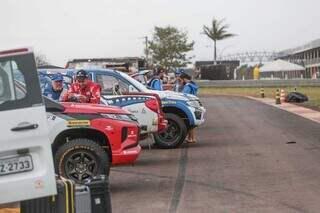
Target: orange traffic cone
{"points": [[282, 96]]}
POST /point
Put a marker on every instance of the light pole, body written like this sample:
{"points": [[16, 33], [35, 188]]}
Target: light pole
{"points": [[147, 48], [147, 51], [146, 41]]}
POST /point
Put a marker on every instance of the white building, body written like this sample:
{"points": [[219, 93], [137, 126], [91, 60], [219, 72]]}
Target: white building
{"points": [[280, 69]]}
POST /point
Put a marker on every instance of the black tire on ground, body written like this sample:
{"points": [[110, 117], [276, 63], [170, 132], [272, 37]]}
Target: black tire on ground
{"points": [[174, 135], [80, 159]]}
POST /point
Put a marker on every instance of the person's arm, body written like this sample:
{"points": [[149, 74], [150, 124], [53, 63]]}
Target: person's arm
{"points": [[68, 94]]}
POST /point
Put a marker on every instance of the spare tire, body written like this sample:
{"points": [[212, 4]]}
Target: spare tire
{"points": [[296, 97]]}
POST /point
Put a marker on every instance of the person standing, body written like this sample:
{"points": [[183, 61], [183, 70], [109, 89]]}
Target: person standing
{"points": [[156, 82], [189, 87], [178, 84]]}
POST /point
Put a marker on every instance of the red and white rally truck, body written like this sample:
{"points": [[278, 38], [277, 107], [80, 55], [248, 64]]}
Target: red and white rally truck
{"points": [[88, 138]]}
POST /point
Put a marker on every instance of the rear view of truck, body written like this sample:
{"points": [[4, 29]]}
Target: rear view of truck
{"points": [[26, 163]]}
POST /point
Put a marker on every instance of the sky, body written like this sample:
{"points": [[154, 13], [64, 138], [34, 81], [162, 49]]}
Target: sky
{"points": [[66, 29]]}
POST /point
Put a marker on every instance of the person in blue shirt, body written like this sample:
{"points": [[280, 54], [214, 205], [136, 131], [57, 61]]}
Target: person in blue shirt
{"points": [[189, 87], [55, 89], [156, 82]]}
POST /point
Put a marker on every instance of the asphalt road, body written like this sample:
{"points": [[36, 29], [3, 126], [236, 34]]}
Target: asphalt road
{"points": [[241, 163]]}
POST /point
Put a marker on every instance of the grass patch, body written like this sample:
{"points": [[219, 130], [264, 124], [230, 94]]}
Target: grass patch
{"points": [[313, 93]]}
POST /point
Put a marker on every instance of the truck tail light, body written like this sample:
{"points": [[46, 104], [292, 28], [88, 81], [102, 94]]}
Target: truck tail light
{"points": [[153, 105]]}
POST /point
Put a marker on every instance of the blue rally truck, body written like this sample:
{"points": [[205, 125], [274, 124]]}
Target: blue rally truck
{"points": [[183, 112]]}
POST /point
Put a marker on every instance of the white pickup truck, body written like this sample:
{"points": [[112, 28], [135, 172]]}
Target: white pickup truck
{"points": [[26, 162]]}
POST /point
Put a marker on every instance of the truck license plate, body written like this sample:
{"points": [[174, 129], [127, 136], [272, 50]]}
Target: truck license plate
{"points": [[16, 165]]}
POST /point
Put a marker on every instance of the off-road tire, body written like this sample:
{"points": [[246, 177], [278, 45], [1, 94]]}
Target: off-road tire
{"points": [[80, 153], [174, 135]]}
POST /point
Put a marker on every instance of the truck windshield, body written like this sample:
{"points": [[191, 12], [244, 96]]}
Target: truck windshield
{"points": [[134, 82]]}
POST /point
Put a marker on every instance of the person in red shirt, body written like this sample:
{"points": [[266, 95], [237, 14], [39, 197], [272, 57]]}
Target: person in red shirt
{"points": [[83, 90]]}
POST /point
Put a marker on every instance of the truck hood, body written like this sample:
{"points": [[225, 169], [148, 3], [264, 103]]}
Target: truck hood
{"points": [[92, 108], [175, 95]]}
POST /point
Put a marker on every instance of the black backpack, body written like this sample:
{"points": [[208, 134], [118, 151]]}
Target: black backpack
{"points": [[296, 97]]}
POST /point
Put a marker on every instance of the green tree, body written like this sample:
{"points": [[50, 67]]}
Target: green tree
{"points": [[216, 32], [169, 47]]}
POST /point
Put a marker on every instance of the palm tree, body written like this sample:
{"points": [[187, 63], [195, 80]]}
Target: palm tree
{"points": [[217, 32]]}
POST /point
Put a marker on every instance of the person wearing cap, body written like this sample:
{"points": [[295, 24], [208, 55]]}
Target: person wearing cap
{"points": [[83, 90], [55, 90], [189, 87], [155, 82], [177, 86]]}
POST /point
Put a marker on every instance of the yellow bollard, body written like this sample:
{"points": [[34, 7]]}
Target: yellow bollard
{"points": [[282, 96], [262, 93], [278, 97]]}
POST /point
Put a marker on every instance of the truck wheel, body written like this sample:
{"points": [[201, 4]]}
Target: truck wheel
{"points": [[174, 135], [81, 159]]}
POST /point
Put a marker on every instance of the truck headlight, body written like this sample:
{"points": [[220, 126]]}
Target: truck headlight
{"points": [[195, 104]]}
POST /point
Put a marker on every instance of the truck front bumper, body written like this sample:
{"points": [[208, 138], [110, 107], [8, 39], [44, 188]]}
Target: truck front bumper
{"points": [[127, 156]]}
